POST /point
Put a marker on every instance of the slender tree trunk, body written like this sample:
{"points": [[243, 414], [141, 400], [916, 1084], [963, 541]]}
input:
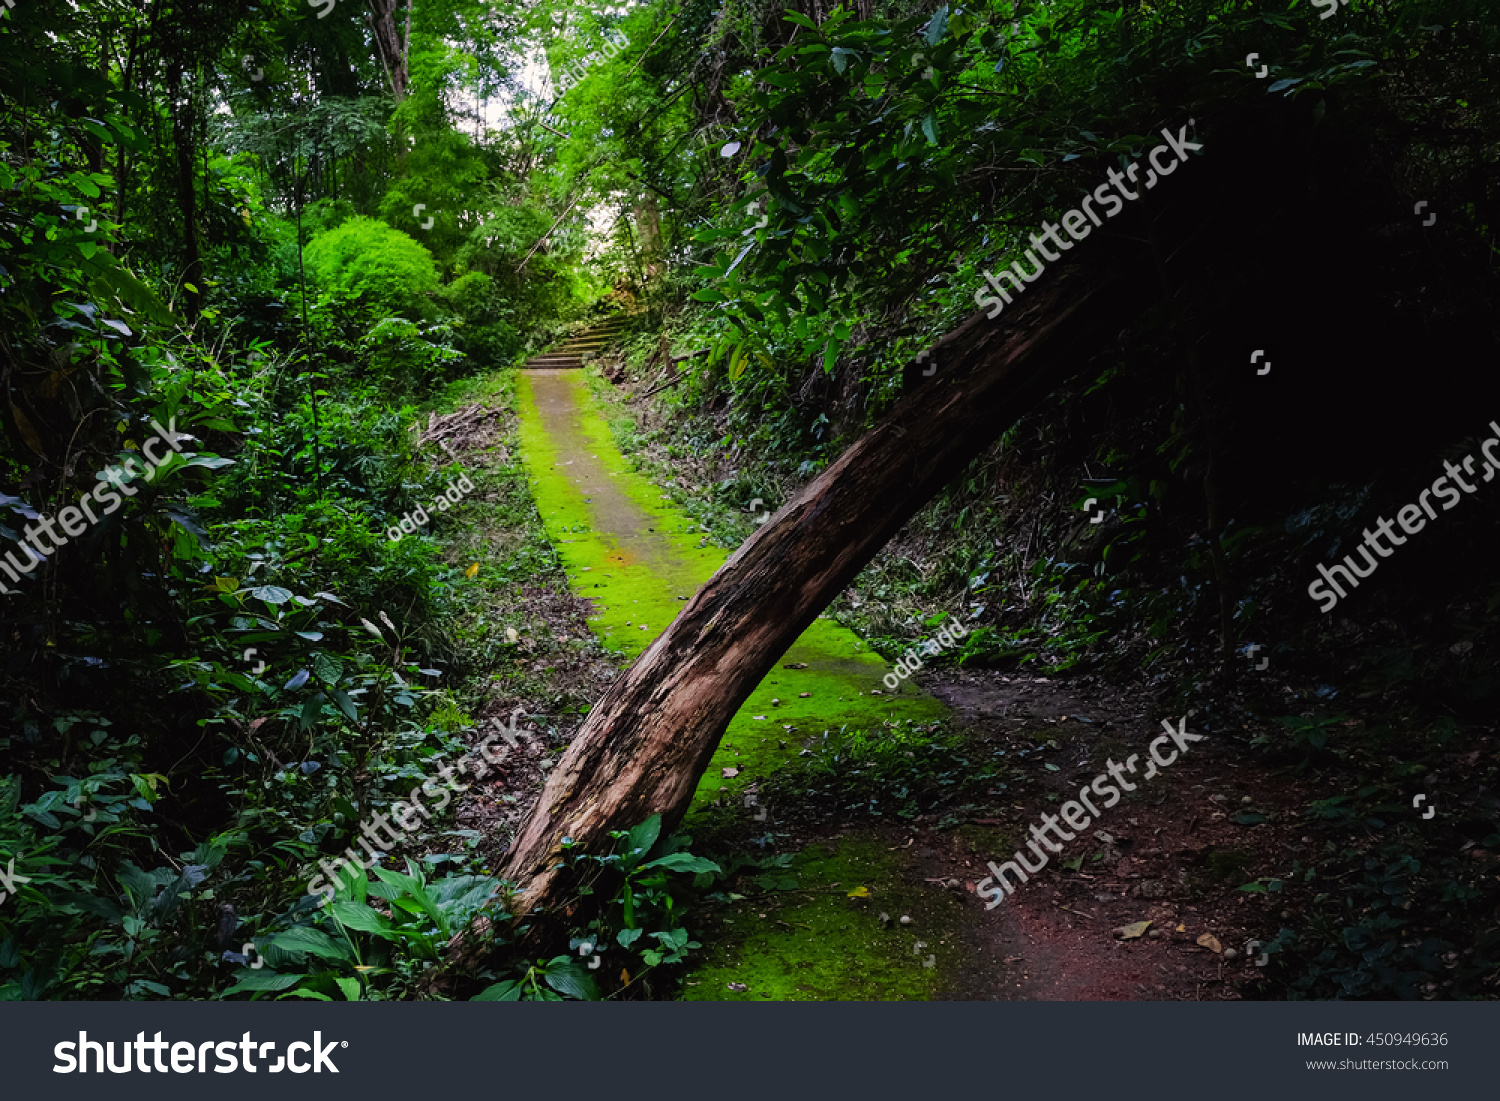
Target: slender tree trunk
{"points": [[645, 745], [181, 104]]}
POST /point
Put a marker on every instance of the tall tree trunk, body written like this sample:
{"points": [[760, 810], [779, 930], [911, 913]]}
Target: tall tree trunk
{"points": [[648, 228], [393, 50], [645, 745]]}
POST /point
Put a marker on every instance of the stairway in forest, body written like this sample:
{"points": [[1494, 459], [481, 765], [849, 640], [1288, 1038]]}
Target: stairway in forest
{"points": [[570, 353]]}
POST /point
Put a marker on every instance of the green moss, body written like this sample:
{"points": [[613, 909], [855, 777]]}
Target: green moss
{"points": [[985, 841], [818, 944]]}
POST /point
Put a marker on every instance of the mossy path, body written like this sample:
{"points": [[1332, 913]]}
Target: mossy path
{"points": [[636, 559]]}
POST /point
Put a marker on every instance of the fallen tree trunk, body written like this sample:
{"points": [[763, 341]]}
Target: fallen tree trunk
{"points": [[645, 745]]}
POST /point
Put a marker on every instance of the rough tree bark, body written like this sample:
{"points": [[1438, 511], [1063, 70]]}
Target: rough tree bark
{"points": [[643, 748], [392, 50]]}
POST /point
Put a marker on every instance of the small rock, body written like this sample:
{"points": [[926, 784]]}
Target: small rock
{"points": [[1216, 799], [1230, 953], [952, 884], [803, 695], [1100, 835], [876, 692], [1153, 888], [738, 987], [1246, 800], [1154, 934], [775, 703], [905, 919]]}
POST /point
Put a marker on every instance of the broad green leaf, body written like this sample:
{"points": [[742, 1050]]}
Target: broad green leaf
{"points": [[264, 980], [937, 27], [346, 705], [358, 916], [641, 838], [328, 669], [306, 939], [566, 977], [930, 126], [684, 862]]}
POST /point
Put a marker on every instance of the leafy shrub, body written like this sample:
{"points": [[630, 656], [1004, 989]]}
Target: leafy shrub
{"points": [[484, 330], [367, 261], [643, 915], [400, 354]]}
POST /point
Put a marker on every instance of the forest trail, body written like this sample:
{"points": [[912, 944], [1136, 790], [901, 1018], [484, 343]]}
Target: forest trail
{"points": [[635, 559], [791, 930]]}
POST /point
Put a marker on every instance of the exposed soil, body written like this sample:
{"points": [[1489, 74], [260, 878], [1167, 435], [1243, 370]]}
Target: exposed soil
{"points": [[1177, 857]]}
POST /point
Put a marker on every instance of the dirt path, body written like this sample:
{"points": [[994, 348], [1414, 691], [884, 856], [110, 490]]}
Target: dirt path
{"points": [[1175, 852]]}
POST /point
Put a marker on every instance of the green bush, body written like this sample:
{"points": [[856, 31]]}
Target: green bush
{"points": [[367, 261], [483, 328], [402, 356]]}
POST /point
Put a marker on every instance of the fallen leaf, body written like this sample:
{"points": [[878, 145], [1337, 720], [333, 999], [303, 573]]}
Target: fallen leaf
{"points": [[28, 434], [860, 892], [1182, 928], [730, 773], [1131, 932], [624, 975], [1211, 942], [472, 570]]}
